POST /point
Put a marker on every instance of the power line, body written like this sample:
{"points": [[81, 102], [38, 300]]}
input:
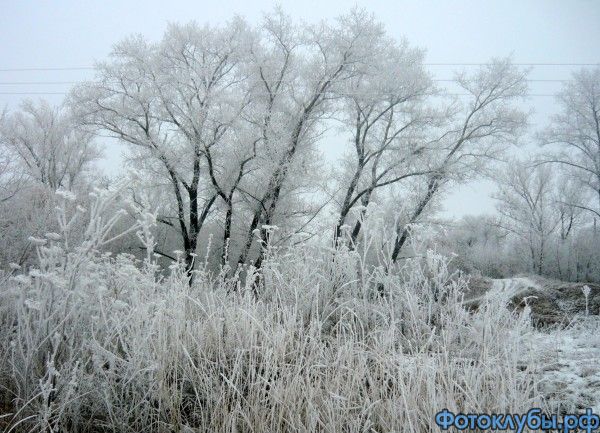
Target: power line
{"points": [[515, 64], [363, 94], [33, 93], [75, 68], [531, 80], [447, 80], [20, 83], [82, 68]]}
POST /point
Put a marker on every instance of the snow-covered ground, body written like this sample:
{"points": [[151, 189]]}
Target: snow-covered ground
{"points": [[571, 364], [569, 357]]}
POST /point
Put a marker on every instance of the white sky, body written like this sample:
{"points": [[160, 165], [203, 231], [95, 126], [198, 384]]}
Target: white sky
{"points": [[75, 33]]}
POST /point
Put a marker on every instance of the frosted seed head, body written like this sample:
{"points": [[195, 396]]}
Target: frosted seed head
{"points": [[36, 241], [53, 236], [586, 290], [67, 195]]}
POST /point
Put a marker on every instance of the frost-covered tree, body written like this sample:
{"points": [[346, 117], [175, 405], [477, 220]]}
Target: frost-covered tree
{"points": [[526, 203], [303, 73], [572, 141], [11, 180], [479, 128], [46, 144], [42, 150], [176, 102], [384, 107], [575, 134], [479, 244]]}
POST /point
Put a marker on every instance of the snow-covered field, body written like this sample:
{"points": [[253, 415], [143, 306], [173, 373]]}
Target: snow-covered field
{"points": [[571, 365], [568, 357]]}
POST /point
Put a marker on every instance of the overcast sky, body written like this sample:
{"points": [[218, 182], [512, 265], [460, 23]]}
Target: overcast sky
{"points": [[70, 33]]}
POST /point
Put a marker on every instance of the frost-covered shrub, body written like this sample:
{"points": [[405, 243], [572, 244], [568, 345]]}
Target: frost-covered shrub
{"points": [[317, 340]]}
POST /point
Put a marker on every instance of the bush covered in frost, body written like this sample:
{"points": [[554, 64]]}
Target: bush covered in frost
{"points": [[314, 341]]}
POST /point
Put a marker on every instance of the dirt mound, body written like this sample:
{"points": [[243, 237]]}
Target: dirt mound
{"points": [[552, 302], [545, 306]]}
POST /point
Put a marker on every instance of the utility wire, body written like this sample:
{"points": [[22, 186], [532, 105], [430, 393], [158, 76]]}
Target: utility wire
{"points": [[33, 93], [83, 68], [266, 94], [77, 68], [515, 64], [21, 83]]}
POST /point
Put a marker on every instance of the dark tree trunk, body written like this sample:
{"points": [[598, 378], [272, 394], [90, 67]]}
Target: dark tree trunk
{"points": [[402, 235]]}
